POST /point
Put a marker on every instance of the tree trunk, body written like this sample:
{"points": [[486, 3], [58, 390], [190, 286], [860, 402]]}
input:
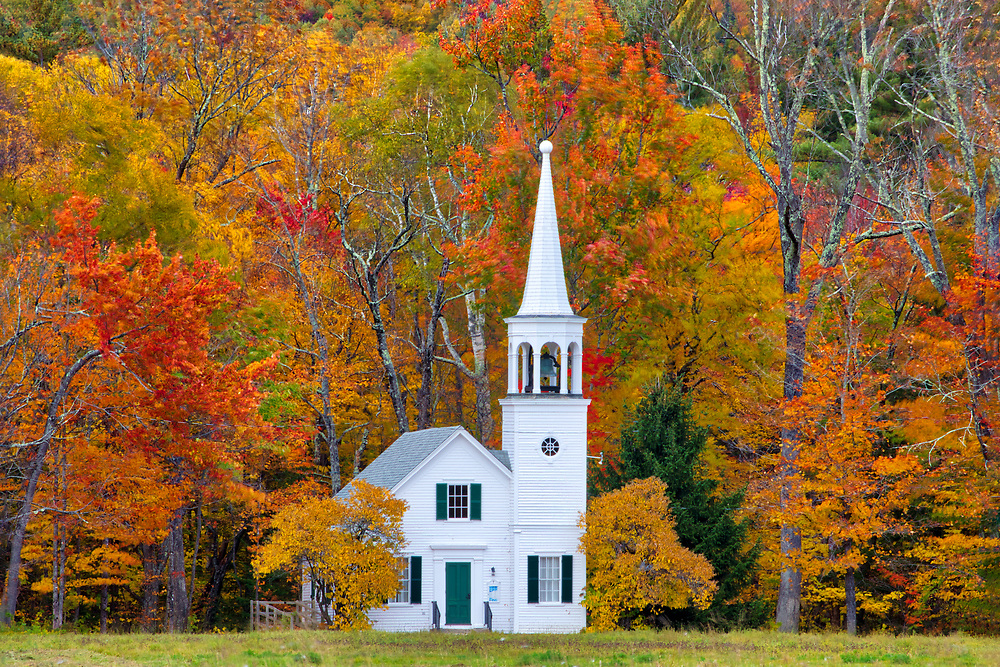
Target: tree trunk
{"points": [[366, 269], [59, 543], [385, 354], [104, 595], [223, 557], [459, 396], [481, 375], [194, 555], [360, 451], [790, 588], [851, 602], [321, 594], [327, 427], [8, 604], [152, 569], [427, 344], [58, 575], [177, 598]]}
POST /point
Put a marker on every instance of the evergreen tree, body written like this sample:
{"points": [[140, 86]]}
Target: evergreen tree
{"points": [[661, 438]]}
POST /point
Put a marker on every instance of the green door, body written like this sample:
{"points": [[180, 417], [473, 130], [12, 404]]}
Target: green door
{"points": [[458, 593]]}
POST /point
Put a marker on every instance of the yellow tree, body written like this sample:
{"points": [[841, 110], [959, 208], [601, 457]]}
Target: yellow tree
{"points": [[298, 262], [634, 560], [794, 52], [202, 69], [347, 546], [62, 138], [851, 487]]}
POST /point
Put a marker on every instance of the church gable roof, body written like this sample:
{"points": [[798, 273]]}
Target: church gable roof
{"points": [[410, 450]]}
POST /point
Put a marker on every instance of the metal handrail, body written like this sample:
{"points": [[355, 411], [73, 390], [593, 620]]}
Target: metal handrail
{"points": [[435, 615], [488, 616]]}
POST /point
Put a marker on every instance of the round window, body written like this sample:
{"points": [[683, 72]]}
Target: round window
{"points": [[550, 446]]}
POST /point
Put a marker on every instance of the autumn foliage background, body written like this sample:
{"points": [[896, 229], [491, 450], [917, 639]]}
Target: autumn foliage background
{"points": [[247, 243]]}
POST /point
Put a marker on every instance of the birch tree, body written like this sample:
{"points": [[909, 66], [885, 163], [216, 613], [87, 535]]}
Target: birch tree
{"points": [[954, 111], [798, 55]]}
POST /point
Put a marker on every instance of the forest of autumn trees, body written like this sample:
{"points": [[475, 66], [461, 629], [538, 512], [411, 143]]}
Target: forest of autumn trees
{"points": [[247, 243]]}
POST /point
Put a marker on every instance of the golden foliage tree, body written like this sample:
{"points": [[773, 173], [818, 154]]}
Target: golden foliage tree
{"points": [[634, 562], [347, 546]]}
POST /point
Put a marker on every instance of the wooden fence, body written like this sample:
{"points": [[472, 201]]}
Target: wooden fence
{"points": [[284, 615]]}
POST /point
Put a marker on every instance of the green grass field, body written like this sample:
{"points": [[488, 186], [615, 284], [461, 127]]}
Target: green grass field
{"points": [[278, 649]]}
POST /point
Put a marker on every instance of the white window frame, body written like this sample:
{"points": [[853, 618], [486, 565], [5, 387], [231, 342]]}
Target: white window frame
{"points": [[458, 511], [550, 587], [403, 592]]}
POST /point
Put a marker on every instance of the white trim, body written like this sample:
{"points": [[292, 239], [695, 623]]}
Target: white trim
{"points": [[458, 547]]}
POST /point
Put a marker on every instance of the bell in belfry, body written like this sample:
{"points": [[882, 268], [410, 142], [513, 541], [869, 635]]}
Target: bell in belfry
{"points": [[549, 372]]}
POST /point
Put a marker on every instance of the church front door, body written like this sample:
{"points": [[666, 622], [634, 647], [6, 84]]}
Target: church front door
{"points": [[458, 593]]}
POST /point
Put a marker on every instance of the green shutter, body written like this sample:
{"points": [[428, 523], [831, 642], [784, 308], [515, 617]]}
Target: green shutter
{"points": [[532, 578], [476, 503], [416, 578], [442, 502], [567, 579]]}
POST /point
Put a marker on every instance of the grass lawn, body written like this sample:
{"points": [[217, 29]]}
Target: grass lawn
{"points": [[278, 649]]}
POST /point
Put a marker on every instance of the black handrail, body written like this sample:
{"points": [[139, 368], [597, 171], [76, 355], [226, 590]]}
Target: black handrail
{"points": [[435, 615], [488, 616]]}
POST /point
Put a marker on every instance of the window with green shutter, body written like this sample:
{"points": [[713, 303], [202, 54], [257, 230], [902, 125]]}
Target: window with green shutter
{"points": [[532, 579], [567, 579], [459, 501], [550, 579], [442, 502], [476, 502], [416, 578]]}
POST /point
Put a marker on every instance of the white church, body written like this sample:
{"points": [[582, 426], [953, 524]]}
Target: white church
{"points": [[492, 535]]}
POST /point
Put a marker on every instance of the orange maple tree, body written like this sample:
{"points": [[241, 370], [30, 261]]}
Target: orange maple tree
{"points": [[106, 313]]}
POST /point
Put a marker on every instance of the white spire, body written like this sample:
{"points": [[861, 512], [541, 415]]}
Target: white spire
{"points": [[545, 286]]}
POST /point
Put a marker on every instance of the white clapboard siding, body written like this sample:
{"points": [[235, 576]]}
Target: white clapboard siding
{"points": [[548, 616], [484, 543], [551, 497], [549, 489]]}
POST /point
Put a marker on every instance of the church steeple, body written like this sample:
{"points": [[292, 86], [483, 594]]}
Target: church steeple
{"points": [[545, 285], [545, 432], [545, 338]]}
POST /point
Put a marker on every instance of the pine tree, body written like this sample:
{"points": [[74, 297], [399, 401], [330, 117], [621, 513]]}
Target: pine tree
{"points": [[661, 438]]}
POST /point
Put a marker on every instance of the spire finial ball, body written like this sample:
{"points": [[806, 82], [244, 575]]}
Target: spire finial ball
{"points": [[545, 147]]}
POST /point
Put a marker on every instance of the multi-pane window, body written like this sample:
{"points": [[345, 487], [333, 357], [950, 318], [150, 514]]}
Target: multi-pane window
{"points": [[403, 594], [549, 579], [458, 501]]}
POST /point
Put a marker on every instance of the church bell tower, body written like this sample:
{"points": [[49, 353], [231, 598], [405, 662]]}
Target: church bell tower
{"points": [[545, 426]]}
